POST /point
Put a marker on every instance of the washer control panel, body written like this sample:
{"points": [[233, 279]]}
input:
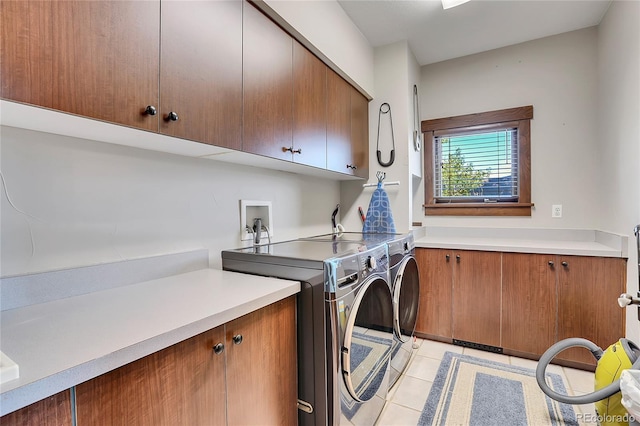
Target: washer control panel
{"points": [[343, 272]]}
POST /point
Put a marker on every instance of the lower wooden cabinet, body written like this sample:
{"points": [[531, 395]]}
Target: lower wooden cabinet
{"points": [[588, 290], [52, 411], [529, 303], [436, 276], [521, 302], [182, 384], [252, 380], [262, 371], [476, 297], [459, 295]]}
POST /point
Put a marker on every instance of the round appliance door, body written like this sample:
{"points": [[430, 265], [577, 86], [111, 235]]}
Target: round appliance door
{"points": [[406, 298], [367, 340]]}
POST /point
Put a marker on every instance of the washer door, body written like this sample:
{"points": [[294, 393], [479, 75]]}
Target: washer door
{"points": [[367, 340], [406, 299]]}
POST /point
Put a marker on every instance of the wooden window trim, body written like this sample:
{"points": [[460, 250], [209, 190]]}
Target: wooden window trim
{"points": [[521, 116]]}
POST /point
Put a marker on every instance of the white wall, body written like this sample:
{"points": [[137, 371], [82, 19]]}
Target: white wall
{"points": [[618, 145], [393, 87], [83, 202], [79, 202], [558, 76], [416, 171], [326, 25]]}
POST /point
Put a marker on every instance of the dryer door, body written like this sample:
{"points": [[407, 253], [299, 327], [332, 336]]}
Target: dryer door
{"points": [[406, 299], [367, 340]]}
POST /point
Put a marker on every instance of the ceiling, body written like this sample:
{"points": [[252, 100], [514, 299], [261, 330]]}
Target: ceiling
{"points": [[435, 34]]}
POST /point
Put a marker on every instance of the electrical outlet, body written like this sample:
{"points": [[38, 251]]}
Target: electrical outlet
{"points": [[556, 210]]}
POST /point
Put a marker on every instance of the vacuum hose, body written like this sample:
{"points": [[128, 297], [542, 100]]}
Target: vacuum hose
{"points": [[551, 353]]}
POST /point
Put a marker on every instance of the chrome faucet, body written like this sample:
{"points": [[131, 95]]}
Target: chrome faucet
{"points": [[257, 230]]}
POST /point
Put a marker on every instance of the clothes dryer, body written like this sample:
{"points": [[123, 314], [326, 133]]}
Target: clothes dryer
{"points": [[405, 287], [404, 282], [344, 322]]}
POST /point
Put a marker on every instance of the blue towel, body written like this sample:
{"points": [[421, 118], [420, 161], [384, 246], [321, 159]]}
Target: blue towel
{"points": [[379, 218]]}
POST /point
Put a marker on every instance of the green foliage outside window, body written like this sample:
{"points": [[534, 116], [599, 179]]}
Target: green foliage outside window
{"points": [[460, 178]]}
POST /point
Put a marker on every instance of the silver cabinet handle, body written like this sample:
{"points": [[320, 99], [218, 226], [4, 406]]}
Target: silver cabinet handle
{"points": [[237, 339], [218, 348]]}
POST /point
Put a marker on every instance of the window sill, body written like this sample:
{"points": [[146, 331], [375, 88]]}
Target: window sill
{"points": [[478, 209]]}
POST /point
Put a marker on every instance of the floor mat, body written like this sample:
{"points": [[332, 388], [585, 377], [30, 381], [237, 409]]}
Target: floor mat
{"points": [[478, 392]]}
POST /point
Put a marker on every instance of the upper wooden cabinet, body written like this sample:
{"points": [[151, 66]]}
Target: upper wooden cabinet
{"points": [[339, 156], [98, 59], [359, 133], [268, 86], [201, 71], [347, 128], [309, 108], [218, 72]]}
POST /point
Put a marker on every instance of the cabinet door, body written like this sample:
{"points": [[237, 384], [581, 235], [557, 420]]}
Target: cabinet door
{"points": [[309, 108], [26, 55], [182, 384], [262, 369], [52, 411], [476, 297], [268, 86], [588, 290], [436, 274], [98, 59], [201, 71], [529, 302], [360, 133], [339, 155]]}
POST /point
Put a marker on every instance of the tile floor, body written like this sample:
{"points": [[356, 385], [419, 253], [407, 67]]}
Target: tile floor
{"points": [[408, 396]]}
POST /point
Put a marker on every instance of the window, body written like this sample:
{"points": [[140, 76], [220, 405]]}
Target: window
{"points": [[479, 164]]}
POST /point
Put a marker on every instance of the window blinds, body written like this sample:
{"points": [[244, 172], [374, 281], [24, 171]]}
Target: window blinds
{"points": [[479, 166]]}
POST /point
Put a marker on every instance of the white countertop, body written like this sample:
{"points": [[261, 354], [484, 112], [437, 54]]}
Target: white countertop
{"points": [[62, 343], [574, 242]]}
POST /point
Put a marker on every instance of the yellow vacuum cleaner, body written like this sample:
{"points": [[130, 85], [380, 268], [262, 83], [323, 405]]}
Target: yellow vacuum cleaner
{"points": [[618, 357]]}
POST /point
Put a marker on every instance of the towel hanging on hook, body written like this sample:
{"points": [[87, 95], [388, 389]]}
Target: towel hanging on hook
{"points": [[379, 218], [385, 108]]}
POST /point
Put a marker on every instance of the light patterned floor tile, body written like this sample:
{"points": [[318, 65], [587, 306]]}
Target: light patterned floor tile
{"points": [[423, 368], [396, 415], [579, 380], [524, 363], [436, 350], [504, 359], [412, 393]]}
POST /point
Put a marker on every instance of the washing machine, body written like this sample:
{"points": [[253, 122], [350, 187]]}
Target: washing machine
{"points": [[344, 323], [405, 286], [404, 283]]}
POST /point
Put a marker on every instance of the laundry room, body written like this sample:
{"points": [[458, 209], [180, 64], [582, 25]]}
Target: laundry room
{"points": [[128, 236]]}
